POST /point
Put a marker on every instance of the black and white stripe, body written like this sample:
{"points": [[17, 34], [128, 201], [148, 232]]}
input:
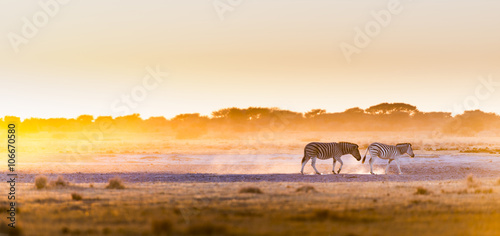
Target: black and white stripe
{"points": [[390, 152], [325, 151]]}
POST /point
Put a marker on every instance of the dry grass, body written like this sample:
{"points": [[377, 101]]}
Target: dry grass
{"points": [[251, 190], [6, 230], [485, 191], [115, 183], [76, 196], [41, 182], [216, 209], [207, 229]]}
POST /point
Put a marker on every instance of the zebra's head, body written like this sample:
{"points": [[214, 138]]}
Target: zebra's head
{"points": [[353, 149], [406, 148]]}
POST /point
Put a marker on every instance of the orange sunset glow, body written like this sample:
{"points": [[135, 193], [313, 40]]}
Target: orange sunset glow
{"points": [[239, 117]]}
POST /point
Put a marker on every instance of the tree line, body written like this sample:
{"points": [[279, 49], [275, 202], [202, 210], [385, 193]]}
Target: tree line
{"points": [[381, 117]]}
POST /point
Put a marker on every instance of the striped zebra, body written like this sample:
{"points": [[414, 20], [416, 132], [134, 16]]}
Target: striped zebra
{"points": [[390, 152], [325, 151]]}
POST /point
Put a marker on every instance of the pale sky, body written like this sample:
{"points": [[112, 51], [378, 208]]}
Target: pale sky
{"points": [[271, 53]]}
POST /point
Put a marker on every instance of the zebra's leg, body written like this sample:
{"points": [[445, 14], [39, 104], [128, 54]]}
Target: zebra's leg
{"points": [[304, 162], [372, 159], [397, 163], [387, 167], [333, 168], [313, 163], [341, 164]]}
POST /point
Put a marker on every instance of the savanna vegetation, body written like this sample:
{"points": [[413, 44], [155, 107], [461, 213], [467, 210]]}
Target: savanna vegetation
{"points": [[382, 117]]}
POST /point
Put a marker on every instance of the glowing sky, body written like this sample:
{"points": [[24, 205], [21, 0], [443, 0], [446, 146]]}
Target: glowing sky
{"points": [[272, 53]]}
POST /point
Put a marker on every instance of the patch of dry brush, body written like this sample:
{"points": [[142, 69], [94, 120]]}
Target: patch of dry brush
{"points": [[306, 189], [41, 181], [115, 183], [422, 191], [251, 190]]}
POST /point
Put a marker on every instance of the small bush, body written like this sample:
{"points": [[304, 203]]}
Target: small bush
{"points": [[161, 226], [76, 196], [41, 181], [115, 183], [472, 182], [60, 182], [422, 191], [306, 189], [251, 190]]}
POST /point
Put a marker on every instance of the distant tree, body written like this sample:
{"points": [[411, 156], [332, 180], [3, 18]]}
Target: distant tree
{"points": [[314, 113], [472, 122], [129, 123], [85, 120], [355, 110], [189, 126], [14, 119], [388, 108]]}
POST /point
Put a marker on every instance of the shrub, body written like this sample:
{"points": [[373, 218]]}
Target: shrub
{"points": [[306, 189], [161, 226], [251, 190], [60, 182], [422, 191], [41, 182], [115, 183], [472, 182], [76, 196]]}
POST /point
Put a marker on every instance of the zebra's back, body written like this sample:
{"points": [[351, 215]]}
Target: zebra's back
{"points": [[383, 150], [322, 150]]}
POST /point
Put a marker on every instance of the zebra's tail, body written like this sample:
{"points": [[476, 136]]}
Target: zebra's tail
{"points": [[362, 162], [304, 158]]}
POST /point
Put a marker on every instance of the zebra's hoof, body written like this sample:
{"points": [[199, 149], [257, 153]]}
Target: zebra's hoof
{"points": [[318, 173], [372, 173], [334, 172]]}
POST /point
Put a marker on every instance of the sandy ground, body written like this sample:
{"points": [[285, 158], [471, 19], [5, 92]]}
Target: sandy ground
{"points": [[254, 168], [175, 194]]}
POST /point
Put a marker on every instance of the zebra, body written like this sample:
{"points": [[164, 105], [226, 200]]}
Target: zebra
{"points": [[390, 152], [325, 151]]}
